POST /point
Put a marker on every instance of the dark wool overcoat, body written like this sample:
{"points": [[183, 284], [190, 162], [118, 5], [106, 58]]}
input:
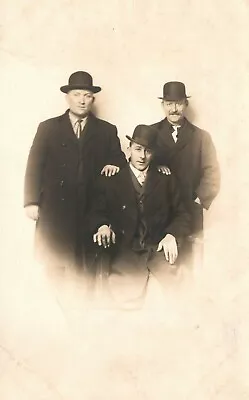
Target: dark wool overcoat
{"points": [[60, 177], [192, 159]]}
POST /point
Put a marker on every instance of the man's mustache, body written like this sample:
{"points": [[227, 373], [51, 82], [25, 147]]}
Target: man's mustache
{"points": [[175, 114]]}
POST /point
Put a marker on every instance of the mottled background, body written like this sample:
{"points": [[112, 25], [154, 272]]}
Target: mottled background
{"points": [[131, 48]]}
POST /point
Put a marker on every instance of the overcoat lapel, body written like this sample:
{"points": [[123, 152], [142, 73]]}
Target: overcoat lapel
{"points": [[165, 134], [90, 131], [185, 135], [66, 130], [167, 141]]}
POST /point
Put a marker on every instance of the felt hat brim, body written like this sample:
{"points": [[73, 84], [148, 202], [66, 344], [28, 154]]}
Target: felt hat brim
{"points": [[67, 88]]}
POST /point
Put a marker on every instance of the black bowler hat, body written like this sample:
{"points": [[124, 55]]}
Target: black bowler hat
{"points": [[145, 136], [80, 80], [174, 91]]}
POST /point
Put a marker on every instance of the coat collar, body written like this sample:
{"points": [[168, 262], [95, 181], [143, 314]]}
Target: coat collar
{"points": [[152, 180], [185, 134], [89, 130], [66, 129], [127, 191]]}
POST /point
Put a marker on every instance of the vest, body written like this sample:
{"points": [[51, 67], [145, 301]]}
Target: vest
{"points": [[138, 243]]}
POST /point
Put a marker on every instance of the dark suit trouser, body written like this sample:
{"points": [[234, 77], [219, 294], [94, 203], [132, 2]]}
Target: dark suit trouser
{"points": [[130, 273]]}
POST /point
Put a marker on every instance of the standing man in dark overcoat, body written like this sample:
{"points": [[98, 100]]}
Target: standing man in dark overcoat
{"points": [[68, 153], [190, 154]]}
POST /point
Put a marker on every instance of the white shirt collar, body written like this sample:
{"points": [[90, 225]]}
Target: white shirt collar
{"points": [[175, 126], [136, 172]]}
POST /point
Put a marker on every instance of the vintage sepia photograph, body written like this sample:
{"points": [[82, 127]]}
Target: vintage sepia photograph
{"points": [[124, 251]]}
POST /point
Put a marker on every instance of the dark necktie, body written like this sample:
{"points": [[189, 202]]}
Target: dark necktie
{"points": [[79, 129]]}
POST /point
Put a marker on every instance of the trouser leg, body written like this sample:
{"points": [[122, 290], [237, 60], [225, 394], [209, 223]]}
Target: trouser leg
{"points": [[177, 284], [128, 278], [169, 276]]}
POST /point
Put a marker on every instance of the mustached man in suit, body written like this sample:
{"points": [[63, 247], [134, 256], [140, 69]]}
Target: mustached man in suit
{"points": [[68, 153], [189, 152], [139, 219], [191, 156]]}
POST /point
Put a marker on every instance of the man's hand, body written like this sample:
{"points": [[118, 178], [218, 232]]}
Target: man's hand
{"points": [[164, 170], [105, 236], [110, 170], [169, 246], [32, 212]]}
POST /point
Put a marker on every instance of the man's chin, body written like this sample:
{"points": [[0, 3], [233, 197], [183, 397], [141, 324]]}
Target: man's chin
{"points": [[141, 167], [80, 113], [175, 119]]}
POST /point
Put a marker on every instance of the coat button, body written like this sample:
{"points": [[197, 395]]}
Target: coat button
{"points": [[63, 144], [140, 202], [63, 165], [124, 207], [62, 182], [62, 199]]}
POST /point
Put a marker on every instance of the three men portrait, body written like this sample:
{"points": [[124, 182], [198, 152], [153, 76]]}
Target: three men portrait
{"points": [[142, 218]]}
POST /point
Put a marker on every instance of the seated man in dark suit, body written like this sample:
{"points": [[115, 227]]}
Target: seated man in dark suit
{"points": [[139, 220]]}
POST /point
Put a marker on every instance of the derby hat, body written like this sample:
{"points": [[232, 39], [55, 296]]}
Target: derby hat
{"points": [[145, 136], [174, 91], [80, 80]]}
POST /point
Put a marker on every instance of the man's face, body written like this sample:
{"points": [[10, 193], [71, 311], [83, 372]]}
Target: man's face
{"points": [[175, 110], [140, 156], [80, 102]]}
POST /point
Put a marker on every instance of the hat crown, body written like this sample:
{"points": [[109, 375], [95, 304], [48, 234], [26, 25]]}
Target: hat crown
{"points": [[144, 135], [174, 91], [80, 78]]}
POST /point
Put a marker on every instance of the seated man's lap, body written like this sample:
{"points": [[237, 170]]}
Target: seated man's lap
{"points": [[169, 276], [129, 275]]}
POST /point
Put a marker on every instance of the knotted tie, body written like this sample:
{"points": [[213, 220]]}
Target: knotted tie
{"points": [[78, 128], [141, 178], [175, 132]]}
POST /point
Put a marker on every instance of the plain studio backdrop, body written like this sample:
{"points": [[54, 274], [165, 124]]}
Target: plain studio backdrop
{"points": [[131, 48]]}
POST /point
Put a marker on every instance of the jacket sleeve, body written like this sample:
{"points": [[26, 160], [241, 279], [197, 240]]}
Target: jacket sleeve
{"points": [[116, 155], [180, 225], [35, 167], [210, 172], [99, 212]]}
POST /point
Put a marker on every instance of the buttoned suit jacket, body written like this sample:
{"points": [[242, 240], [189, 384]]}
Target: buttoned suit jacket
{"points": [[115, 204]]}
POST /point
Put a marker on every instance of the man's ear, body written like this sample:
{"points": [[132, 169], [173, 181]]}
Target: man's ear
{"points": [[128, 152]]}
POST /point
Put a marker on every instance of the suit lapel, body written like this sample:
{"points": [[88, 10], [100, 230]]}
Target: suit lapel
{"points": [[90, 131], [126, 190], [165, 134], [166, 141], [184, 135], [66, 129], [152, 181]]}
